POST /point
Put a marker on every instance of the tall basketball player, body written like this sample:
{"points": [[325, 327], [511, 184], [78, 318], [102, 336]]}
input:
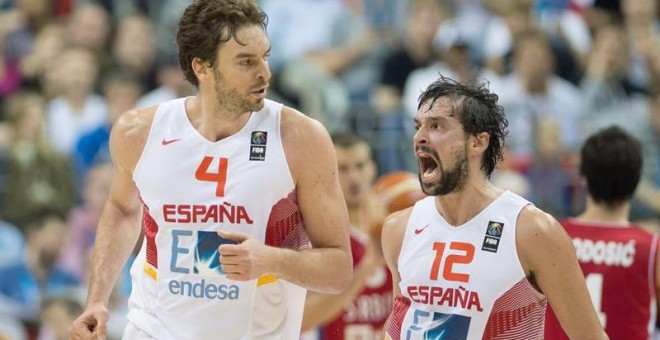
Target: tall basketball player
{"points": [[234, 188]]}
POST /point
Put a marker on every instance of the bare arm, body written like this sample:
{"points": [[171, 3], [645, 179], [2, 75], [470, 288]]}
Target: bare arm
{"points": [[323, 308], [392, 238], [548, 258], [328, 266], [115, 239]]}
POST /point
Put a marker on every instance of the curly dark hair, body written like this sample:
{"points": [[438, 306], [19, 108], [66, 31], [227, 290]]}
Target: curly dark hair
{"points": [[207, 24], [611, 161], [477, 110]]}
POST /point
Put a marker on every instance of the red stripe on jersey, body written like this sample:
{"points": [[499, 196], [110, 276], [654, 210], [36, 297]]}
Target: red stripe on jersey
{"points": [[150, 228], [285, 226], [517, 314], [399, 310]]}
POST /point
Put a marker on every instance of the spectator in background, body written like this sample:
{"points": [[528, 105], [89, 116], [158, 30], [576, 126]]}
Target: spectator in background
{"points": [[360, 311], [57, 313], [171, 83], [605, 85], [416, 50], [512, 18], [532, 94], [12, 243], [77, 109], [326, 65], [38, 176], [48, 44], [134, 50], [83, 220], [89, 27], [642, 25], [25, 283], [121, 92]]}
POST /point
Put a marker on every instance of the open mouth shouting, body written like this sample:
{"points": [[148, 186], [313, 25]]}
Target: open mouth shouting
{"points": [[429, 165]]}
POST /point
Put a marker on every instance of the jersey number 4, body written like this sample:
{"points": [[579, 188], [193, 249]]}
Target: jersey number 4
{"points": [[220, 177]]}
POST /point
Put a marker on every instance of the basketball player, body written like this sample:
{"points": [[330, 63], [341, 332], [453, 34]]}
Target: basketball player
{"points": [[362, 309], [618, 259], [225, 180], [473, 261]]}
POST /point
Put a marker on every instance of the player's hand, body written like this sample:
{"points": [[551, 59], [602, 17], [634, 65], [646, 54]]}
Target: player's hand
{"points": [[92, 324], [245, 260]]}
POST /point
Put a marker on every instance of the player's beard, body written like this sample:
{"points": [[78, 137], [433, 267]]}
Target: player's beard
{"points": [[230, 99], [450, 180]]}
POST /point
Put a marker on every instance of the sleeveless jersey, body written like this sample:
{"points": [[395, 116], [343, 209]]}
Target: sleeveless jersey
{"points": [[190, 188], [619, 264], [365, 316], [465, 282]]}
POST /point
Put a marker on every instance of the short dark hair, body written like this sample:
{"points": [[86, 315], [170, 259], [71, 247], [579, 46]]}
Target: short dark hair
{"points": [[347, 140], [611, 162], [206, 24], [477, 110]]}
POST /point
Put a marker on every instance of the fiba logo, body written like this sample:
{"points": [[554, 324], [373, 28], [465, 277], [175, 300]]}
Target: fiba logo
{"points": [[258, 145], [259, 137], [495, 229]]}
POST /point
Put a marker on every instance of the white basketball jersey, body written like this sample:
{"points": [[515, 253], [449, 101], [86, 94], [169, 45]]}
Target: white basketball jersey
{"points": [[465, 282], [190, 188]]}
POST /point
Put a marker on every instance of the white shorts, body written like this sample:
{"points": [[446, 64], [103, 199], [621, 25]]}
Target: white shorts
{"points": [[131, 332]]}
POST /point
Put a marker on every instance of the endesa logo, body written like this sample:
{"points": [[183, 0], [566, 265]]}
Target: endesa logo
{"points": [[205, 263]]}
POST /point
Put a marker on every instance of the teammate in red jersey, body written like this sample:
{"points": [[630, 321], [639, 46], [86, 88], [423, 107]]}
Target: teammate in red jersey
{"points": [[619, 260]]}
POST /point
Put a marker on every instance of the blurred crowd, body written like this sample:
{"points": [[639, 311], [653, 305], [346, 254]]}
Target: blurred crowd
{"points": [[68, 68]]}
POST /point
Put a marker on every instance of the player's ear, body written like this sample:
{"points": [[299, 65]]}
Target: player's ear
{"points": [[479, 141], [201, 68]]}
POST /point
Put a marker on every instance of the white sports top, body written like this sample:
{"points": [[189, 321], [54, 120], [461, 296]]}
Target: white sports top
{"points": [[191, 187], [465, 282]]}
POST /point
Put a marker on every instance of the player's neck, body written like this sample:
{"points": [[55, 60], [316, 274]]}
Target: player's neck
{"points": [[601, 213], [457, 208], [213, 123]]}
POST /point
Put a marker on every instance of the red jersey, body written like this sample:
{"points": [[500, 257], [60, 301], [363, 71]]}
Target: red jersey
{"points": [[364, 317], [619, 264]]}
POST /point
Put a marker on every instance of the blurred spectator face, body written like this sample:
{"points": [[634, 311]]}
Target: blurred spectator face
{"points": [[49, 42], [30, 125], [57, 315], [89, 27], [97, 186], [121, 96], [76, 72], [134, 45], [45, 241], [639, 11], [533, 59], [26, 112], [423, 21], [356, 173], [611, 46]]}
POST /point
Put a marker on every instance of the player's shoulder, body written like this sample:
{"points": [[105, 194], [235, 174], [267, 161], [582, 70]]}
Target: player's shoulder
{"points": [[129, 135], [535, 226], [307, 136], [296, 124], [135, 123]]}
